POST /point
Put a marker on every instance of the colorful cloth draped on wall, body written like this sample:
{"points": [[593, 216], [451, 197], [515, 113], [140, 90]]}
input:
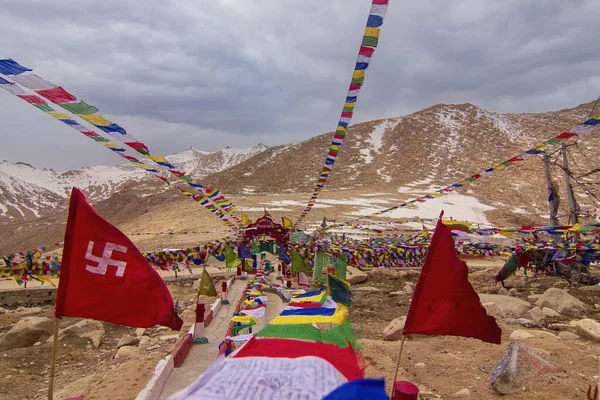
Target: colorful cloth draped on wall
{"points": [[210, 198], [367, 48]]}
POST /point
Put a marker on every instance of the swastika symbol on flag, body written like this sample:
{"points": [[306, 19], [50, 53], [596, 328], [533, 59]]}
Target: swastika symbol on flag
{"points": [[105, 261]]}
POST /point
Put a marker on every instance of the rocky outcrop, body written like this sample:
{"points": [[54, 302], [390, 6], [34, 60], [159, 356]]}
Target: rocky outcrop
{"points": [[86, 328], [394, 329], [509, 306], [26, 332], [517, 366], [560, 301]]}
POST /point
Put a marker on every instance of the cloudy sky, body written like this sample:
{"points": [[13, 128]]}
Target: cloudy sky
{"points": [[210, 74]]}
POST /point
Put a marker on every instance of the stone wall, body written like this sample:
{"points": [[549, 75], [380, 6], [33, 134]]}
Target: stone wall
{"points": [[27, 297]]}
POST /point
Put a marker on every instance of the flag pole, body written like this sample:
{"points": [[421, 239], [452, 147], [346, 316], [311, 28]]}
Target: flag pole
{"points": [[53, 362], [397, 365]]}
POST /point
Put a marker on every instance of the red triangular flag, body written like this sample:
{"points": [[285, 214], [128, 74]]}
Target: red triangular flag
{"points": [[103, 276], [444, 302]]}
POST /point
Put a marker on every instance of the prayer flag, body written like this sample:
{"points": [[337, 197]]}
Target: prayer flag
{"points": [[206, 286], [298, 264], [444, 302], [340, 290], [231, 258], [105, 277], [287, 223]]}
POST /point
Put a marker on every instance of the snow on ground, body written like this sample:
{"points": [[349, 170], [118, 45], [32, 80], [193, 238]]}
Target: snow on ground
{"points": [[45, 178], [293, 203], [375, 140], [378, 194], [385, 177], [456, 206], [450, 119], [186, 160], [256, 209], [511, 130]]}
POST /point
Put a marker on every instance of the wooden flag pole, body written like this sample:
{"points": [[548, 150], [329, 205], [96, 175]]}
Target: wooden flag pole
{"points": [[53, 362], [397, 365]]}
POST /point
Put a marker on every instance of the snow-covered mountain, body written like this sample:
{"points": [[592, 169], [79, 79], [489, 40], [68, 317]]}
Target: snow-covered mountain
{"points": [[408, 156], [201, 163], [27, 192]]}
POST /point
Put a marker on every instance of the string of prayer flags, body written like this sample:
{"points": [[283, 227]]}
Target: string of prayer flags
{"points": [[67, 101], [370, 41], [583, 128]]}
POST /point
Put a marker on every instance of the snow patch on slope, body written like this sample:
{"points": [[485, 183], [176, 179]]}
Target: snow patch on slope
{"points": [[375, 139], [456, 206]]}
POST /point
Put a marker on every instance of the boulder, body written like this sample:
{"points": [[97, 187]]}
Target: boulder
{"points": [[461, 394], [394, 329], [503, 291], [147, 341], [127, 352], [509, 306], [86, 328], [408, 288], [355, 275], [536, 315], [513, 292], [561, 301], [563, 327], [591, 288], [127, 340], [550, 313], [139, 332], [26, 332], [367, 289], [26, 312], [169, 338], [587, 328], [493, 310], [520, 335], [517, 366], [566, 335]]}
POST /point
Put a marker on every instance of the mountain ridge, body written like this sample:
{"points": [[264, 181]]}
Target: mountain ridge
{"points": [[406, 156]]}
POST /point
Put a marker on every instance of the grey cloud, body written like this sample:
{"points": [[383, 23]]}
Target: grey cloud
{"points": [[277, 71]]}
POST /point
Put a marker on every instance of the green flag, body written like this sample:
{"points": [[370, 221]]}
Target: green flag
{"points": [[231, 258], [298, 264], [341, 335], [321, 263], [206, 287], [342, 262], [79, 108], [339, 290]]}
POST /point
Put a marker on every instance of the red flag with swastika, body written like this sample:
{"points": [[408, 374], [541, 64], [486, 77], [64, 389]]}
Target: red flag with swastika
{"points": [[103, 276]]}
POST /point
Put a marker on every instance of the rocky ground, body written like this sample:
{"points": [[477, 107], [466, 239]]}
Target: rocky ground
{"points": [[555, 321], [97, 360]]}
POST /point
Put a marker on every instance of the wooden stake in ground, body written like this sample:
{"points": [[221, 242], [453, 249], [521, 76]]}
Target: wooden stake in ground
{"points": [[397, 366], [53, 362]]}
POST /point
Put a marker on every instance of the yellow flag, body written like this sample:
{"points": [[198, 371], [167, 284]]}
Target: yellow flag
{"points": [[44, 278], [206, 287], [246, 220], [575, 228], [287, 223]]}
